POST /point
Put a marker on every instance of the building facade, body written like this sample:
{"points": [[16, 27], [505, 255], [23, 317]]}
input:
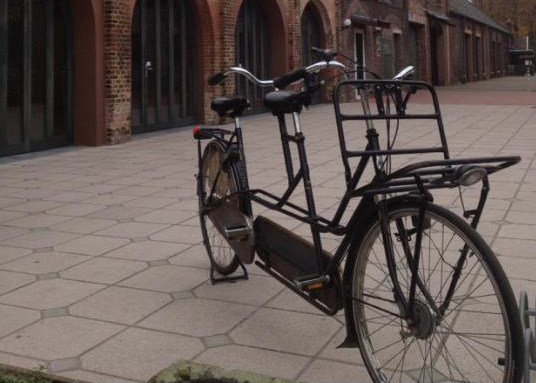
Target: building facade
{"points": [[94, 72]]}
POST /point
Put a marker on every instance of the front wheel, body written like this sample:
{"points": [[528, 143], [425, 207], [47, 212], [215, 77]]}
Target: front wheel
{"points": [[477, 338]]}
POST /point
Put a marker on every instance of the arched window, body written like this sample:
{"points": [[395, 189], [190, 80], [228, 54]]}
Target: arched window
{"points": [[252, 49], [163, 65], [36, 67]]}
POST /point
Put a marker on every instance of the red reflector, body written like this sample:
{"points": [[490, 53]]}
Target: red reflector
{"points": [[196, 130]]}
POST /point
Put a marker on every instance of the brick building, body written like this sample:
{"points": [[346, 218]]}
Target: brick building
{"points": [[479, 45], [448, 41], [93, 72]]}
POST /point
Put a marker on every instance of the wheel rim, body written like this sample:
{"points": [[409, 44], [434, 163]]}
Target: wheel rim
{"points": [[218, 249], [465, 345]]}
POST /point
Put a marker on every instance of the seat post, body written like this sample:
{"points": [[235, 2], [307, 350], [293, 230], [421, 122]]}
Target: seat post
{"points": [[297, 123], [237, 122]]}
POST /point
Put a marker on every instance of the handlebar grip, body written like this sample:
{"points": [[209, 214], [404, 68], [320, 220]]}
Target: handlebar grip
{"points": [[287, 79], [216, 79]]}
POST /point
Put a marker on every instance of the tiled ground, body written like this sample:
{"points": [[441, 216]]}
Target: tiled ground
{"points": [[102, 276]]}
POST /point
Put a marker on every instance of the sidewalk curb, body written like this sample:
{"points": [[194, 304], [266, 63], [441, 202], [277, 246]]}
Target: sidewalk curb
{"points": [[190, 372]]}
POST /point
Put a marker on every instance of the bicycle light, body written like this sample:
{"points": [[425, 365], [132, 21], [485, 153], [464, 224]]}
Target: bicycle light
{"points": [[469, 175]]}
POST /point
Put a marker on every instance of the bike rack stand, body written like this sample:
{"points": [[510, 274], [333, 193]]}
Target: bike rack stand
{"points": [[529, 335], [214, 280]]}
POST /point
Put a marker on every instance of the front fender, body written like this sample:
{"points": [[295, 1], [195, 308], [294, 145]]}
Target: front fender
{"points": [[364, 217]]}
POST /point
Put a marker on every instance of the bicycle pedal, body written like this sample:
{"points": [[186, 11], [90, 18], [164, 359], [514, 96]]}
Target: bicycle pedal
{"points": [[312, 282], [238, 232]]}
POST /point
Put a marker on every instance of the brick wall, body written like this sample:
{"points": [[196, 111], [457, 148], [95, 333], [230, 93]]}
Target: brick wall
{"points": [[117, 52]]}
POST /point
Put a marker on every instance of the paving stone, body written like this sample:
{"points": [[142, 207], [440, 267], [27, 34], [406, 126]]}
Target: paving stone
{"points": [[21, 362], [83, 225], [76, 209], [171, 217], [10, 232], [518, 231], [195, 317], [217, 341], [187, 205], [180, 234], [45, 262], [100, 188], [120, 304], [10, 280], [35, 206], [111, 199], [8, 254], [151, 202], [61, 365], [137, 190], [92, 245], [288, 300], [6, 216], [284, 331], [131, 230], [260, 361], [49, 294], [40, 239], [103, 270], [121, 212], [167, 279], [323, 371], [196, 256], [182, 295], [54, 313], [46, 276], [139, 354], [69, 196], [255, 291], [58, 338], [15, 318], [37, 221], [514, 247], [93, 377]]}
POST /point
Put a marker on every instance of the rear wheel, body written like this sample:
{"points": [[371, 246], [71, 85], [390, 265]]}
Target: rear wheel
{"points": [[476, 339], [224, 182]]}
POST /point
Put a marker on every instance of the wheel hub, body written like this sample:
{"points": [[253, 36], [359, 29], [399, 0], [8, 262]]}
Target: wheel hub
{"points": [[424, 320]]}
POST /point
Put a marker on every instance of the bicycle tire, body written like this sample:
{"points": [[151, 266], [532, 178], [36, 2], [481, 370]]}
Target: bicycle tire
{"points": [[224, 260], [471, 340]]}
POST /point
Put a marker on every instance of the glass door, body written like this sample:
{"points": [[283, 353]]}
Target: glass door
{"points": [[35, 75], [311, 38], [163, 65], [252, 51]]}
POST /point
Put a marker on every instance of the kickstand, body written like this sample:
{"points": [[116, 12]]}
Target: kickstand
{"points": [[229, 279]]}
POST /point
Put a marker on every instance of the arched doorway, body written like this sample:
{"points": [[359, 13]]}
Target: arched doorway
{"points": [[163, 65], [312, 35], [252, 50], [35, 76]]}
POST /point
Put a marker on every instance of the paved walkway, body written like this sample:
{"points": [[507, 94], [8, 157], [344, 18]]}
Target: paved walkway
{"points": [[519, 90], [103, 278]]}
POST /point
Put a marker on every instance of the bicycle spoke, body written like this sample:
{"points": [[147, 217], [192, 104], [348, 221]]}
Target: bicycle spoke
{"points": [[456, 349]]}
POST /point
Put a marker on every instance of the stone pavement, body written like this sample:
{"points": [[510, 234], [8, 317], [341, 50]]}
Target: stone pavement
{"points": [[500, 91], [103, 278]]}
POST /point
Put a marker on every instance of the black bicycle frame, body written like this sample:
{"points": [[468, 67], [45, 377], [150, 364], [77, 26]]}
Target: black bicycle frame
{"points": [[415, 179]]}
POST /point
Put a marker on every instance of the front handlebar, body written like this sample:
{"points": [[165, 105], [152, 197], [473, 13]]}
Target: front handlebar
{"points": [[279, 82]]}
